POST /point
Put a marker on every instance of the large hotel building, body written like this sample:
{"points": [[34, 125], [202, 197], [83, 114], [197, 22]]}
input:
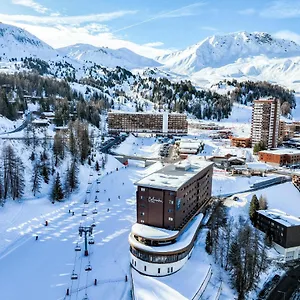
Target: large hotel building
{"points": [[265, 122], [138, 122], [169, 204]]}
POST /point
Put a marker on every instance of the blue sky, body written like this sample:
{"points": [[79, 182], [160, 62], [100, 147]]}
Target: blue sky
{"points": [[149, 27]]}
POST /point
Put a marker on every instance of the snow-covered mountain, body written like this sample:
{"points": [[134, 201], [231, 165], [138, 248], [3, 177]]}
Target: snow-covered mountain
{"points": [[19, 43], [110, 58], [218, 51]]}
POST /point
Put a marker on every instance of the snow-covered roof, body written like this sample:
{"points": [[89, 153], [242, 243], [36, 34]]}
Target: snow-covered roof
{"points": [[172, 177], [153, 233], [48, 113], [189, 145], [39, 121], [258, 166], [236, 158], [282, 151], [143, 113], [183, 240], [281, 217], [189, 151]]}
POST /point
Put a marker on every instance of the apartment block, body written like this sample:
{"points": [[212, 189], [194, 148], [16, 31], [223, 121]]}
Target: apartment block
{"points": [[284, 230], [281, 157], [241, 142], [265, 122], [159, 123]]}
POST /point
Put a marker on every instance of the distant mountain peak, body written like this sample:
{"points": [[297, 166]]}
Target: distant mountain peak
{"points": [[219, 50], [107, 57]]}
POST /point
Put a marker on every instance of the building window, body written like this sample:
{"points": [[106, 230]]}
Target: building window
{"points": [[172, 193], [171, 269], [142, 213], [145, 268], [170, 210], [168, 270], [170, 219], [142, 197], [143, 189], [135, 263], [171, 202], [158, 270], [142, 221]]}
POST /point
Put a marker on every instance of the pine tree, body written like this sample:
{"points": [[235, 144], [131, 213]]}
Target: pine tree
{"points": [[45, 172], [32, 156], [263, 202], [254, 207], [19, 181], [97, 167], [57, 192], [72, 142], [36, 179], [13, 174], [58, 148], [208, 243]]}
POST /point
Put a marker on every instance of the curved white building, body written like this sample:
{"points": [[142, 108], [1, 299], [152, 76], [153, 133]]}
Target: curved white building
{"points": [[160, 252]]}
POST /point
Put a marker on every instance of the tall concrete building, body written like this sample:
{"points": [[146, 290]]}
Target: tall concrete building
{"points": [[159, 123], [265, 122]]}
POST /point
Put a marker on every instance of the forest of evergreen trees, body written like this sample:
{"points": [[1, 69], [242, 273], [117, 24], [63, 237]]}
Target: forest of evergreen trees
{"points": [[238, 248], [247, 91], [183, 96]]}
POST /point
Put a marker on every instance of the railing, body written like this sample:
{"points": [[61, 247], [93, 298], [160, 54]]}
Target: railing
{"points": [[132, 286], [203, 285], [219, 292]]}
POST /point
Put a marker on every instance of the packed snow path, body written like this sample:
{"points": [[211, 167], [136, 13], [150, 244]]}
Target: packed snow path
{"points": [[41, 269]]}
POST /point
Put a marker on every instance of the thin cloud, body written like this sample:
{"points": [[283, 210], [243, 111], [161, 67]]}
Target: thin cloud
{"points": [[282, 10], [32, 4], [248, 11], [59, 36], [66, 20], [209, 28], [288, 35], [154, 44], [179, 12]]}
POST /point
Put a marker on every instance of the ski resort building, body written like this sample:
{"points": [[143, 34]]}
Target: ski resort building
{"points": [[139, 122], [281, 157], [241, 142], [169, 202], [265, 122], [284, 231]]}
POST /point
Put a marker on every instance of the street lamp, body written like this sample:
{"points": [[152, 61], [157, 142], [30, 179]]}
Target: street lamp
{"points": [[282, 293]]}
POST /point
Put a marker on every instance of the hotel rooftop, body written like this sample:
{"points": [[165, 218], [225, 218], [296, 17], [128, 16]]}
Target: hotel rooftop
{"points": [[172, 177]]}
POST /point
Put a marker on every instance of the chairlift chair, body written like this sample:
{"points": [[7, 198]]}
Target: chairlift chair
{"points": [[74, 276], [84, 214], [97, 191], [88, 268], [93, 224], [77, 248], [86, 202], [85, 297], [95, 211], [91, 241]]}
